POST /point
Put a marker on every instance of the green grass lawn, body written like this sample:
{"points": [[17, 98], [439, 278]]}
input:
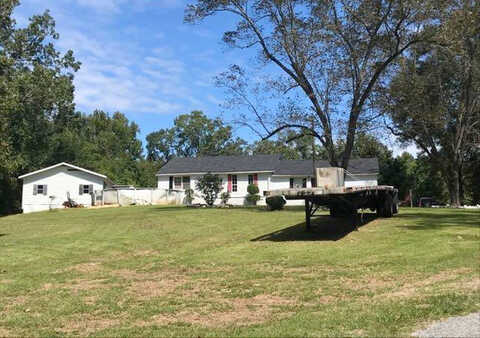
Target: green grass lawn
{"points": [[171, 271]]}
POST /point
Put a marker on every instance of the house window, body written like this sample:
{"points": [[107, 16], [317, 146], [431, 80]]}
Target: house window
{"points": [[86, 189], [186, 182], [178, 182], [234, 183], [304, 183], [40, 189], [253, 179], [313, 181], [292, 181]]}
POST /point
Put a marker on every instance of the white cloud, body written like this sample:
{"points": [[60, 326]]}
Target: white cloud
{"points": [[119, 76]]}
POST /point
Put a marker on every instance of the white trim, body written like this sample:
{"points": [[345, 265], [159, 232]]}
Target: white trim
{"points": [[217, 173], [59, 165]]}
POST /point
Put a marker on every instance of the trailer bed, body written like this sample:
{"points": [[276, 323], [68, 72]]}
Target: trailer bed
{"points": [[343, 201]]}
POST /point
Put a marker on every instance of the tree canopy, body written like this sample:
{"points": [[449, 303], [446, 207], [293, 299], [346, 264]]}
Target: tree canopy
{"points": [[193, 135], [330, 56], [434, 98]]}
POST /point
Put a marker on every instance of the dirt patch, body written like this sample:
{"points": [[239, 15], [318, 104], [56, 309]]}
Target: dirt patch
{"points": [[90, 300], [87, 324], [241, 312], [144, 253], [77, 285], [157, 320], [48, 286], [371, 284], [10, 303], [448, 280], [5, 333], [90, 267], [150, 289], [146, 285]]}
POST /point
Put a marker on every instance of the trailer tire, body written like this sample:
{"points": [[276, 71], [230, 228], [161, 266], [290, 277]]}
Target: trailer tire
{"points": [[388, 206]]}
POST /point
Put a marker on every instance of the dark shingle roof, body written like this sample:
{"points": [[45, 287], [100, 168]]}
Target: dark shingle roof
{"points": [[274, 163], [220, 164], [305, 167]]}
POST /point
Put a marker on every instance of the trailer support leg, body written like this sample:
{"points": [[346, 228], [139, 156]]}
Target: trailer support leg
{"points": [[307, 214]]}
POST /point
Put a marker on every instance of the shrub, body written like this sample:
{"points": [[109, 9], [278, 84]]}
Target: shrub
{"points": [[209, 185], [188, 196], [252, 197], [252, 189], [276, 202], [225, 196]]}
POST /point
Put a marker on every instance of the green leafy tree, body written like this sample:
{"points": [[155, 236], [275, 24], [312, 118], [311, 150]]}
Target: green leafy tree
{"points": [[290, 145], [36, 92], [193, 135], [330, 56], [434, 100], [209, 185]]}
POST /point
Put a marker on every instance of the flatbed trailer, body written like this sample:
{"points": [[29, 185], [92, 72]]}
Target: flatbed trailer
{"points": [[343, 201]]}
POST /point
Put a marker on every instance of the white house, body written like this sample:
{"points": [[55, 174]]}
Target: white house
{"points": [[50, 187], [267, 171]]}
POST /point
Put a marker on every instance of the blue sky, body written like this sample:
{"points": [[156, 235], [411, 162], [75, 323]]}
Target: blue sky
{"points": [[139, 58]]}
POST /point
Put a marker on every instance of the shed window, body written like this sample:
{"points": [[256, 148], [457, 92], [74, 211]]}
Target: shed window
{"points": [[234, 183], [85, 189], [291, 182], [40, 189], [178, 182]]}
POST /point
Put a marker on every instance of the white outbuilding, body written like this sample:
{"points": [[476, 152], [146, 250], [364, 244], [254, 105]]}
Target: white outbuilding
{"points": [[51, 187]]}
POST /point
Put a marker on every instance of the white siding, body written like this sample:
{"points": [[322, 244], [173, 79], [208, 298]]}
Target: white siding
{"points": [[265, 182], [59, 181]]}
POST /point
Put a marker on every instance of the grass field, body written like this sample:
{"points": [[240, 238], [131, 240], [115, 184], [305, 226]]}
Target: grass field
{"points": [[171, 271]]}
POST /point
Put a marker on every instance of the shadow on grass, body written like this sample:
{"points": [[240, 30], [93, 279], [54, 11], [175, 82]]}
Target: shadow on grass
{"points": [[324, 228], [1, 235], [433, 221]]}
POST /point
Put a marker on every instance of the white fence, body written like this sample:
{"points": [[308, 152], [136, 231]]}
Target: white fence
{"points": [[142, 196]]}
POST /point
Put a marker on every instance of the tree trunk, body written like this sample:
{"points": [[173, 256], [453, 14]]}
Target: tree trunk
{"points": [[453, 183]]}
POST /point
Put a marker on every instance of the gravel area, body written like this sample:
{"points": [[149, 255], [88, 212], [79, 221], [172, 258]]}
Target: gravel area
{"points": [[464, 326]]}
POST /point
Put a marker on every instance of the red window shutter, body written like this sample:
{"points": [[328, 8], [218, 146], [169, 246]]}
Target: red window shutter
{"points": [[229, 186], [255, 179]]}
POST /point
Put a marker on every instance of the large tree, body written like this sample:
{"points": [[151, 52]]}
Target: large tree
{"points": [[434, 101], [193, 134], [36, 91], [328, 57]]}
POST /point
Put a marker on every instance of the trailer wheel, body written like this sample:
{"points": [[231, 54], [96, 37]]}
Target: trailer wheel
{"points": [[388, 206]]}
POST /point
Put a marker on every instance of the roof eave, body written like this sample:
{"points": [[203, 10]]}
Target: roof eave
{"points": [[67, 165]]}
